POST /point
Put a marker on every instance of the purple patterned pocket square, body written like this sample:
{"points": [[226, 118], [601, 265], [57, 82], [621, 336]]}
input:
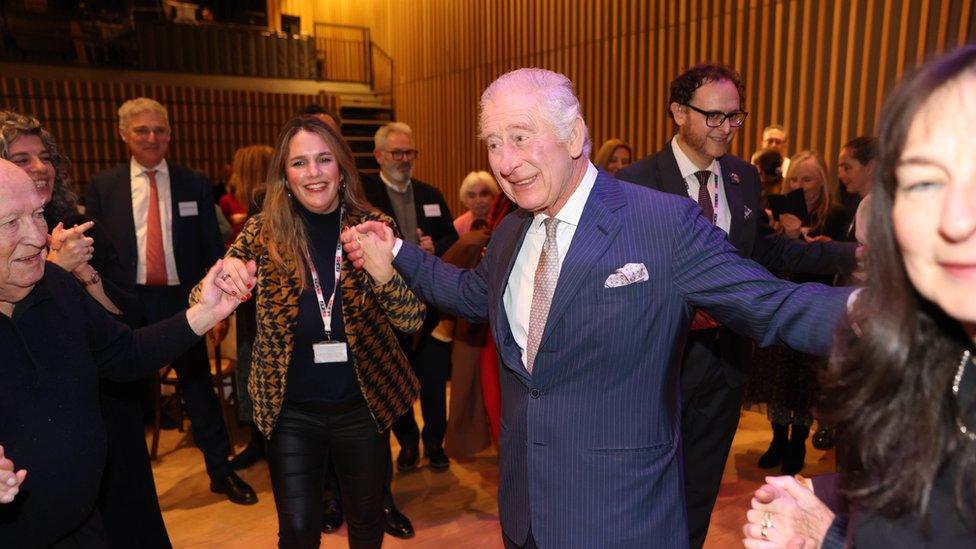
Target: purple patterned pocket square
{"points": [[631, 273]]}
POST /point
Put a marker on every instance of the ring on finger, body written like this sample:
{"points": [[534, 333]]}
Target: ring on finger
{"points": [[763, 533]]}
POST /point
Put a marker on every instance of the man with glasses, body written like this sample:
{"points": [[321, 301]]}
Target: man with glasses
{"points": [[160, 237], [706, 106], [424, 219]]}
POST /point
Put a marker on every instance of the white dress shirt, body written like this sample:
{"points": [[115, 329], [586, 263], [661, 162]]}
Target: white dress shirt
{"points": [[140, 211], [688, 169], [521, 283]]}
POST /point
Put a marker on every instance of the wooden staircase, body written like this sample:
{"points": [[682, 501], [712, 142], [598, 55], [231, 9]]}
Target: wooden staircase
{"points": [[362, 114]]}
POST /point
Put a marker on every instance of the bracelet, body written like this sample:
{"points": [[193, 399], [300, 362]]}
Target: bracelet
{"points": [[92, 280]]}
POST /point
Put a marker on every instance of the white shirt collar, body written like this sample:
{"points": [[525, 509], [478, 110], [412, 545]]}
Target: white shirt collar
{"points": [[390, 185], [573, 209], [685, 165], [136, 169]]}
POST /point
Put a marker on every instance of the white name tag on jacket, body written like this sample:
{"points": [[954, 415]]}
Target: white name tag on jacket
{"points": [[188, 209], [432, 210], [330, 351]]}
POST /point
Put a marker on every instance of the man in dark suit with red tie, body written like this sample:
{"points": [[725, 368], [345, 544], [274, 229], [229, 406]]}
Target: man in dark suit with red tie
{"points": [[161, 236], [706, 106]]}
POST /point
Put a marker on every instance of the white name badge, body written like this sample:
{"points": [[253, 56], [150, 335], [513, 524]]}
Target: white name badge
{"points": [[330, 351], [188, 209], [432, 210]]}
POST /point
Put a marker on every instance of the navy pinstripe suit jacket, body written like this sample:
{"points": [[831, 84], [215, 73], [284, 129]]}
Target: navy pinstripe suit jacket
{"points": [[589, 442]]}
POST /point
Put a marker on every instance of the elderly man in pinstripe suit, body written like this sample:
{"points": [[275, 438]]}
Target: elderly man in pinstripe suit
{"points": [[589, 289]]}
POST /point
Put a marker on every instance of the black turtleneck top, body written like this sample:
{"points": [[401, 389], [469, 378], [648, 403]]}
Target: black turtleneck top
{"points": [[332, 383]]}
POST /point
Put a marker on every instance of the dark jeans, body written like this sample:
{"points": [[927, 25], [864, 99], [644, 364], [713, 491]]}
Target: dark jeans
{"points": [[303, 442], [432, 364], [193, 372]]}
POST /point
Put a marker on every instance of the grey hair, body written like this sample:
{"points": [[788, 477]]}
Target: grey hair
{"points": [[558, 104], [140, 105], [476, 176], [379, 139]]}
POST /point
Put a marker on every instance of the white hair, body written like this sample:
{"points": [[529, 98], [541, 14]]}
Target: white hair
{"points": [[379, 139], [558, 104], [475, 177]]}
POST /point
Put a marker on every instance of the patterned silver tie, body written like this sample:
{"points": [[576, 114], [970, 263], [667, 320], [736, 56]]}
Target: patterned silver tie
{"points": [[546, 274]]}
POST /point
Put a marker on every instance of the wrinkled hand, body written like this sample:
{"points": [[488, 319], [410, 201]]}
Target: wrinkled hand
{"points": [[369, 246], [70, 248], [794, 518], [791, 225], [10, 479], [425, 242], [216, 302]]}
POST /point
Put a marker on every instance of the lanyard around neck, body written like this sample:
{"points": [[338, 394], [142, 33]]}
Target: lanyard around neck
{"points": [[325, 309]]}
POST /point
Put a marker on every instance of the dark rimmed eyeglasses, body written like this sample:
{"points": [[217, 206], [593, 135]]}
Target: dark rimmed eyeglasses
{"points": [[403, 154], [714, 119]]}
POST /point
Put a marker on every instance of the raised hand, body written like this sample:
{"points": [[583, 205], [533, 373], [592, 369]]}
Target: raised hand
{"points": [[369, 246], [786, 513], [425, 242], [216, 303], [70, 248], [10, 480]]}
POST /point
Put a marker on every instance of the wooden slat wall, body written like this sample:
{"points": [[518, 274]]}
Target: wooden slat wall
{"points": [[208, 124], [819, 67]]}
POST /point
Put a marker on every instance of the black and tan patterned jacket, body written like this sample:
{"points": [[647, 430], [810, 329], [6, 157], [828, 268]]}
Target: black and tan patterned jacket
{"points": [[370, 313]]}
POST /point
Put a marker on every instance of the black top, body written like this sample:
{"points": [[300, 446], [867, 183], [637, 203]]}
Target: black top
{"points": [[52, 350], [308, 382]]}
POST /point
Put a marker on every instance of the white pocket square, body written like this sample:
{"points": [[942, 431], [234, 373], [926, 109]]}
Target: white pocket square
{"points": [[631, 273]]}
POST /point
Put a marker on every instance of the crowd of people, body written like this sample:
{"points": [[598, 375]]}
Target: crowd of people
{"points": [[357, 294]]}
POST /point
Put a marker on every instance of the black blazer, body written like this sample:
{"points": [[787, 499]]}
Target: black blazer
{"points": [[196, 240], [749, 232], [439, 228]]}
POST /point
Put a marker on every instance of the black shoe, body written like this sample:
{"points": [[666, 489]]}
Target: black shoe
{"points": [[777, 448], [331, 516], [236, 490], [438, 459], [407, 460], [796, 452], [253, 453], [397, 524]]}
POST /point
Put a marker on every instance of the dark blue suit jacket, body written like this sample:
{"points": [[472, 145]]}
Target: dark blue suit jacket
{"points": [[589, 442], [196, 240]]}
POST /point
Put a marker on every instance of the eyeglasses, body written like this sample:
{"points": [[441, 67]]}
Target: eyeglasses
{"points": [[714, 119], [403, 154]]}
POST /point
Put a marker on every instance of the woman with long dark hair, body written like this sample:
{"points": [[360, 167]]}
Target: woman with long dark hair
{"points": [[901, 386], [327, 376]]}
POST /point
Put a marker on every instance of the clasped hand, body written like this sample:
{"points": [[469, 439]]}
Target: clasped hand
{"points": [[369, 246], [10, 479], [70, 248], [786, 514]]}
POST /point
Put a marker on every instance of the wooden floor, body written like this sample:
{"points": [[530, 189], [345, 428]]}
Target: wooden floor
{"points": [[455, 509]]}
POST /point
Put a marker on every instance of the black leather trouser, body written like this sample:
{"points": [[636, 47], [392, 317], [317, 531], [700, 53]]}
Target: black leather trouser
{"points": [[303, 442]]}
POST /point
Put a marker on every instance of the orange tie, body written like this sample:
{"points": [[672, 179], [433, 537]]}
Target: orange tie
{"points": [[155, 257]]}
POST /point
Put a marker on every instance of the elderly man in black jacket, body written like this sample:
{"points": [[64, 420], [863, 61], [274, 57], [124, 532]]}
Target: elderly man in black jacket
{"points": [[56, 342]]}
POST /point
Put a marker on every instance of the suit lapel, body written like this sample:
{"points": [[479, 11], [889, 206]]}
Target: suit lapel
{"points": [[508, 351], [175, 197], [671, 180], [597, 228], [733, 193], [122, 195]]}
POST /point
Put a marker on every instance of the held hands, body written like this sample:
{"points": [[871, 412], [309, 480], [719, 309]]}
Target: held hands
{"points": [[425, 242], [369, 246], [70, 248], [786, 514], [227, 284], [10, 480], [791, 225]]}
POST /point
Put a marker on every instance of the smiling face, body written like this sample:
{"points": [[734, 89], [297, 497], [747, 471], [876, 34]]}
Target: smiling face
{"points": [[618, 160], [934, 211], [533, 167], [147, 137], [805, 175], [312, 173], [29, 154], [697, 140], [478, 198], [23, 235]]}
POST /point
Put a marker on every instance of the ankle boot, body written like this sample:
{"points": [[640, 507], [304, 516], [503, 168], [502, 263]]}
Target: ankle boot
{"points": [[253, 453], [777, 448], [796, 451]]}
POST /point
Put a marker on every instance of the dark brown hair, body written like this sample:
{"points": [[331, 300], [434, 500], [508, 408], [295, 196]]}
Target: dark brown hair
{"points": [[888, 391], [684, 86]]}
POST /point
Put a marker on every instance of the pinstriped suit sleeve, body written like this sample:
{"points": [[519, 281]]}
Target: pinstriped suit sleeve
{"points": [[463, 292], [741, 294]]}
